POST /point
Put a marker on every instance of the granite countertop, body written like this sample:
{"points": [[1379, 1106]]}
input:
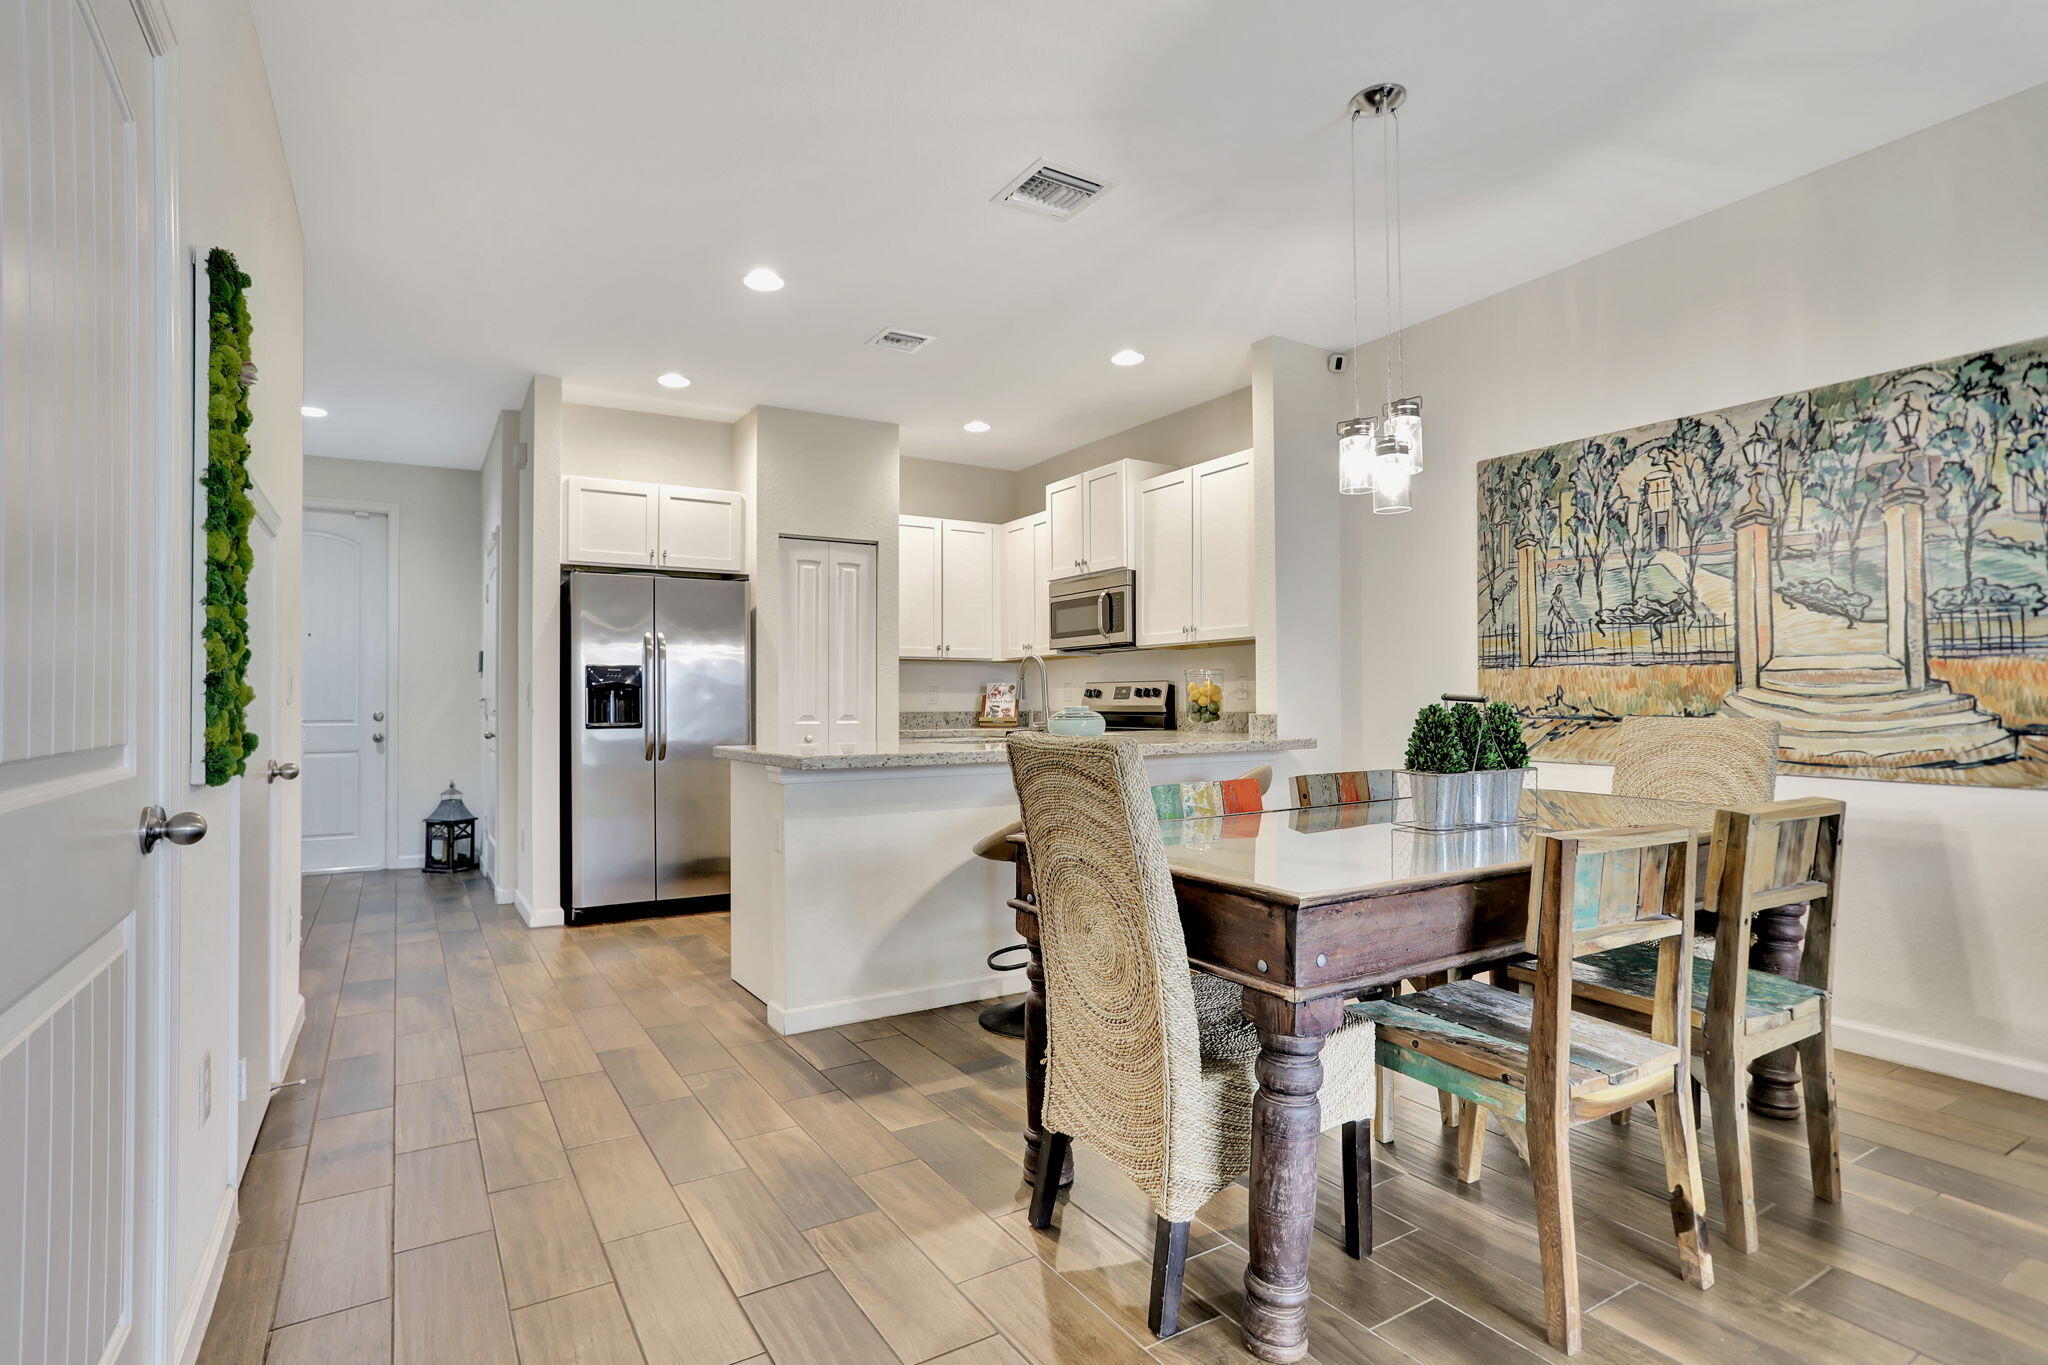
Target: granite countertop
{"points": [[923, 750]]}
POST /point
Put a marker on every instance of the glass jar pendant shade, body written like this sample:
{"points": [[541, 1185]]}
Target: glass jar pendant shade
{"points": [[1357, 442], [1402, 420], [1390, 476]]}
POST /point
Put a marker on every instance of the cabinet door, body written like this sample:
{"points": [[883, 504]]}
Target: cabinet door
{"points": [[609, 521], [967, 590], [917, 587], [703, 529], [850, 716], [1107, 495], [1165, 557], [1018, 570], [1041, 576], [1222, 548], [1068, 510]]}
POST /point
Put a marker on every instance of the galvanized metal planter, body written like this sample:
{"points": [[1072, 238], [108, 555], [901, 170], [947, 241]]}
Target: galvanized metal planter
{"points": [[1500, 795], [1443, 801]]}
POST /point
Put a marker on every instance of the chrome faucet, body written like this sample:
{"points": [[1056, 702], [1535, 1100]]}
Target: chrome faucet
{"points": [[1044, 693]]}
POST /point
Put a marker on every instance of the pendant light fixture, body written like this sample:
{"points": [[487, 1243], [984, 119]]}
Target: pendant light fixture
{"points": [[1381, 453]]}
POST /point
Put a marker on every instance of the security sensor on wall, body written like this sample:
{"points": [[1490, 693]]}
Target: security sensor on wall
{"points": [[1337, 361]]}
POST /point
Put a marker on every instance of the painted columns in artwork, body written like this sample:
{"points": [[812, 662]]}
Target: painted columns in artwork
{"points": [[1753, 620], [1905, 573], [1528, 592]]}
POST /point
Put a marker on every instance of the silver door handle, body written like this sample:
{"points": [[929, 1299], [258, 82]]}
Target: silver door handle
{"points": [[376, 737], [376, 715], [661, 691], [186, 827], [288, 771], [490, 734], [647, 692]]}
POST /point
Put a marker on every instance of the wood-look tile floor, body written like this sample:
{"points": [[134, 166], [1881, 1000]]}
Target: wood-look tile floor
{"points": [[583, 1145]]}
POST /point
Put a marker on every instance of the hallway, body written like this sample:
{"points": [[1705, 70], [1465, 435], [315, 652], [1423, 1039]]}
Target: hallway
{"points": [[583, 1145]]}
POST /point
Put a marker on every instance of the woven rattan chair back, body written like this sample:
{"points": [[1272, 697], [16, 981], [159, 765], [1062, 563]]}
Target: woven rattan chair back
{"points": [[1718, 760], [1120, 1012]]}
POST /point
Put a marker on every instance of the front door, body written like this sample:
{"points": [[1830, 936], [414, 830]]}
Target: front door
{"points": [[87, 585], [347, 699]]}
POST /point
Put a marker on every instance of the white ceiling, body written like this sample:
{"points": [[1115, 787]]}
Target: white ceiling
{"points": [[492, 188]]}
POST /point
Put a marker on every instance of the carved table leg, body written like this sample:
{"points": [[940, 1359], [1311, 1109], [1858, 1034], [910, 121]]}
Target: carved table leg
{"points": [[1774, 1077], [1286, 1125]]}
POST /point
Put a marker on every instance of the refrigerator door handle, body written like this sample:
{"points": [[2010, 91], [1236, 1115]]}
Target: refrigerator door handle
{"points": [[661, 692], [649, 691]]}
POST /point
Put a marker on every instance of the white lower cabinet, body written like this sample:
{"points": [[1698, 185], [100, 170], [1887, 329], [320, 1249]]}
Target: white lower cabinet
{"points": [[827, 677], [946, 588], [1195, 553], [1025, 563]]}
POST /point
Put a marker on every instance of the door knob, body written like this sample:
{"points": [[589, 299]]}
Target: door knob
{"points": [[490, 734], [377, 737], [376, 715], [186, 827], [288, 771]]}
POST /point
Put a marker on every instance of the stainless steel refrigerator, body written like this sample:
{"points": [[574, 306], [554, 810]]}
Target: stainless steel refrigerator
{"points": [[657, 675]]}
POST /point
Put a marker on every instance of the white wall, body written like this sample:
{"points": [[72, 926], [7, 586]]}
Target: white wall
{"points": [[963, 492], [1918, 250], [538, 888], [234, 191], [436, 737], [1219, 426], [498, 799], [652, 447]]}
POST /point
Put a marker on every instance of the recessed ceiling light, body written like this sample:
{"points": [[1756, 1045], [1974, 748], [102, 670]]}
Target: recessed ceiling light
{"points": [[1127, 356], [310, 411], [763, 279], [974, 426], [672, 380]]}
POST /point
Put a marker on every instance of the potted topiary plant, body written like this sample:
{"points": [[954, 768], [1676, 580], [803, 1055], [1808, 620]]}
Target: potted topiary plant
{"points": [[1439, 768], [1503, 760]]}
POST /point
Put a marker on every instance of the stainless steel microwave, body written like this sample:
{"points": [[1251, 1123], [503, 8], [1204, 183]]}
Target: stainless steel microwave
{"points": [[1093, 611]]}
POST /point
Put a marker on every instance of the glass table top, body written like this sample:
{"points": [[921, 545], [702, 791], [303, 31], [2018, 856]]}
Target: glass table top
{"points": [[1325, 850]]}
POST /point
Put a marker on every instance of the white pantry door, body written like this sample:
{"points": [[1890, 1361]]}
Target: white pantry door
{"points": [[346, 704], [87, 584]]}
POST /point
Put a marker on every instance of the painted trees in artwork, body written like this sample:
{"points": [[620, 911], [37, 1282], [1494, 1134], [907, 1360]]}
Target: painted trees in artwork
{"points": [[1703, 484], [1599, 512]]}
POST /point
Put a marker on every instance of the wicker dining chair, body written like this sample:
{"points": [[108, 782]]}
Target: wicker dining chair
{"points": [[1717, 760], [1152, 1065], [1542, 1066]]}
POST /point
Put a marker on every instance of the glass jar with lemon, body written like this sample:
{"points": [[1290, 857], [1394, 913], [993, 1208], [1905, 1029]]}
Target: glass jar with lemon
{"points": [[1204, 698]]}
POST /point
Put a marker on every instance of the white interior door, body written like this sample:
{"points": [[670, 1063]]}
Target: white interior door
{"points": [[87, 581], [850, 691], [487, 706], [267, 935], [344, 660], [828, 649]]}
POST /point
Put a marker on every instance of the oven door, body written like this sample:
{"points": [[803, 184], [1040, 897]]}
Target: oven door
{"points": [[1092, 620]]}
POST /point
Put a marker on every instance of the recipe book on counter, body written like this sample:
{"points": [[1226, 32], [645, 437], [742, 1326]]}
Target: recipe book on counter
{"points": [[999, 705]]}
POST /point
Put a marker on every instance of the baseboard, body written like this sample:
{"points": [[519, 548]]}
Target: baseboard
{"points": [[286, 1045], [406, 860], [2021, 1075], [191, 1332], [535, 919], [859, 1009]]}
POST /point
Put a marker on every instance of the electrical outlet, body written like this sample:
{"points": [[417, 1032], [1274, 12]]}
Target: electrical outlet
{"points": [[241, 1079], [205, 1088]]}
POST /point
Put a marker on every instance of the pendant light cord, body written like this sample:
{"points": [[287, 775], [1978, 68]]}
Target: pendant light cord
{"points": [[1390, 155], [1357, 402]]}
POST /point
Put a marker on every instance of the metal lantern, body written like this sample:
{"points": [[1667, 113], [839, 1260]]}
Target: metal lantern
{"points": [[451, 835]]}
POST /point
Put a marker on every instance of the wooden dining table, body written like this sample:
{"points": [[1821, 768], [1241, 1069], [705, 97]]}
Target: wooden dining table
{"points": [[1306, 909]]}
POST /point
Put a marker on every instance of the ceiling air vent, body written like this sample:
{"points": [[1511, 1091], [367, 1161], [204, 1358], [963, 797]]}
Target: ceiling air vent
{"points": [[894, 340], [1051, 191]]}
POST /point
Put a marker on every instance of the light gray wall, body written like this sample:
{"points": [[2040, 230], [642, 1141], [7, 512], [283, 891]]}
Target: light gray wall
{"points": [[613, 443], [964, 492], [1220, 426], [1920, 249], [440, 625]]}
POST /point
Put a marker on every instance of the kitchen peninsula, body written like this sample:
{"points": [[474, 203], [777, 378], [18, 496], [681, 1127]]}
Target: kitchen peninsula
{"points": [[856, 893]]}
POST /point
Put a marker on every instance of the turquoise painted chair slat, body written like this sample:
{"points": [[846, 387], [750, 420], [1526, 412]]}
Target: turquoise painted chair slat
{"points": [[1540, 1067]]}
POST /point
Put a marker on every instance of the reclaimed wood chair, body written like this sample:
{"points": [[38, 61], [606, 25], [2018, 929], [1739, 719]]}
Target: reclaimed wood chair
{"points": [[1764, 856], [1199, 800], [1543, 1067], [1151, 1064], [1344, 789], [1717, 760]]}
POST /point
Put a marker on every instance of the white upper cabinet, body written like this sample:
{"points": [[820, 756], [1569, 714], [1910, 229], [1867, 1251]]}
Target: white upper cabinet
{"points": [[610, 521], [967, 590], [1095, 516], [1024, 555], [703, 529], [917, 586], [627, 524], [1195, 553], [1222, 548], [1166, 528]]}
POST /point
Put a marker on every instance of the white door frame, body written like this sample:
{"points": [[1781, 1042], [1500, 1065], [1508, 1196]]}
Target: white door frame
{"points": [[390, 512]]}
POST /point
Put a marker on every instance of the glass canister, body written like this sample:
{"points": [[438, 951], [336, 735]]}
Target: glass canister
{"points": [[1204, 698]]}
